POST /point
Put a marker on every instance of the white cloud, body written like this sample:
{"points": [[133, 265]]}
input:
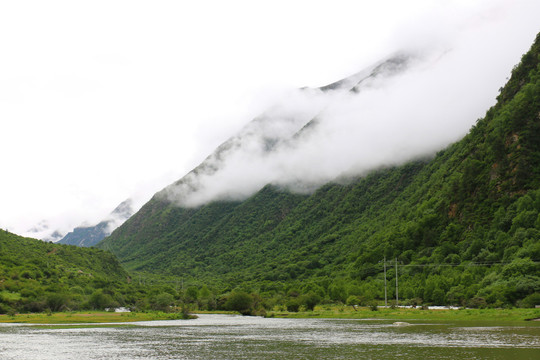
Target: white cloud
{"points": [[446, 86], [99, 100]]}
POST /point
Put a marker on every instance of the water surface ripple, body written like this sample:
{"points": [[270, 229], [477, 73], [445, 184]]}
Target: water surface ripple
{"points": [[237, 337]]}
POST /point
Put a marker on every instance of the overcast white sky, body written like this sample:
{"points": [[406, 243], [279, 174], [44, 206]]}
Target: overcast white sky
{"points": [[105, 100]]}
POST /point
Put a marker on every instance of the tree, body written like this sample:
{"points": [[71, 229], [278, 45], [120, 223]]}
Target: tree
{"points": [[310, 300], [163, 302], [57, 301], [239, 301], [99, 300], [353, 301], [192, 294]]}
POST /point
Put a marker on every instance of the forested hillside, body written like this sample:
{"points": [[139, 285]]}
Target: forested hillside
{"points": [[37, 276], [463, 226]]}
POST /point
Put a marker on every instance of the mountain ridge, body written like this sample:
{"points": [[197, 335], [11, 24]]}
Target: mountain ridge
{"points": [[464, 226], [87, 236], [262, 129]]}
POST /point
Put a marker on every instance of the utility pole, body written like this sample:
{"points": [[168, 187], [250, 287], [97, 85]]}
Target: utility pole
{"points": [[397, 297], [385, 296]]}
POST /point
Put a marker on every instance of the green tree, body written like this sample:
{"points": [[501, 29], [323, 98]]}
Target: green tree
{"points": [[239, 301], [100, 300], [162, 302], [309, 300]]}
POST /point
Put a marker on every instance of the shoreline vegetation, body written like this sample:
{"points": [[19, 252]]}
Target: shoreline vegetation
{"points": [[389, 313], [499, 316], [91, 317]]}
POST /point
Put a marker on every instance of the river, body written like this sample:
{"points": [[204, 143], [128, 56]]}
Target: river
{"points": [[237, 337]]}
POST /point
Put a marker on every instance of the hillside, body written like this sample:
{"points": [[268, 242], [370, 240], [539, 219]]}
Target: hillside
{"points": [[464, 225], [36, 275]]}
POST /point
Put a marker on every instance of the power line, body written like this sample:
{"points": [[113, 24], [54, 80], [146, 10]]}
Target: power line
{"points": [[432, 265]]}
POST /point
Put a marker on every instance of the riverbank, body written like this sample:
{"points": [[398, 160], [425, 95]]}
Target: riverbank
{"points": [[88, 317], [326, 312], [495, 315]]}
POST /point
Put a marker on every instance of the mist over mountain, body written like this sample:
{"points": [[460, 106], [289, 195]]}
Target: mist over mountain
{"points": [[43, 231], [384, 115], [87, 236], [264, 151], [177, 118]]}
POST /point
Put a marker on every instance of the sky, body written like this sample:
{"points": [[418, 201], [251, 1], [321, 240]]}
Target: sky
{"points": [[105, 100]]}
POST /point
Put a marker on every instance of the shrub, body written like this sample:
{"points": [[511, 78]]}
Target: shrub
{"points": [[239, 301], [530, 301], [162, 302], [99, 300], [57, 301], [293, 305], [477, 303], [310, 300], [4, 309]]}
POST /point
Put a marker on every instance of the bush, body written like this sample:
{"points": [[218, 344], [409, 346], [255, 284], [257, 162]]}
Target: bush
{"points": [[353, 301], [293, 305], [99, 300], [162, 302], [239, 301], [414, 302], [35, 306], [530, 301], [4, 309], [57, 301], [477, 303], [310, 300]]}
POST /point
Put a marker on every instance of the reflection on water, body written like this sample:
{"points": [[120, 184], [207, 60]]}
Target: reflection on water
{"points": [[237, 337]]}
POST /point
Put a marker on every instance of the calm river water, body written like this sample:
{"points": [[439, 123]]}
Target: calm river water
{"points": [[237, 337]]}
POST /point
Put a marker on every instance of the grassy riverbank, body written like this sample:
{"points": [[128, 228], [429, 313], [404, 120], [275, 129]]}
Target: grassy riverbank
{"points": [[495, 315], [90, 317], [326, 312]]}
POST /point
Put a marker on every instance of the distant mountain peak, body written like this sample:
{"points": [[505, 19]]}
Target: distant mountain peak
{"points": [[124, 209], [87, 236], [388, 67]]}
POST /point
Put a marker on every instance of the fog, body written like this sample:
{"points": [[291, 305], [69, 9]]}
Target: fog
{"points": [[109, 100], [412, 103]]}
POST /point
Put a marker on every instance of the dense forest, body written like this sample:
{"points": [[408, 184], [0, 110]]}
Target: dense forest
{"points": [[463, 226], [37, 276]]}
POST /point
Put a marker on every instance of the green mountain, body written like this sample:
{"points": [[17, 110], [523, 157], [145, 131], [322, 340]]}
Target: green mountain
{"points": [[463, 227], [36, 275]]}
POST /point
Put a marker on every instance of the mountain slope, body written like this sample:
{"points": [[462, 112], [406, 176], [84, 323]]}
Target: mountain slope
{"points": [[36, 275], [87, 236], [156, 218], [464, 226]]}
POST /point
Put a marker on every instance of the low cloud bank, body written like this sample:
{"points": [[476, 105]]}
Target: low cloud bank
{"points": [[411, 104]]}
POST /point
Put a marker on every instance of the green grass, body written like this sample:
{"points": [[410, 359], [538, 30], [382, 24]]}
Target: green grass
{"points": [[488, 315], [222, 312], [94, 318], [80, 326], [90, 317]]}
